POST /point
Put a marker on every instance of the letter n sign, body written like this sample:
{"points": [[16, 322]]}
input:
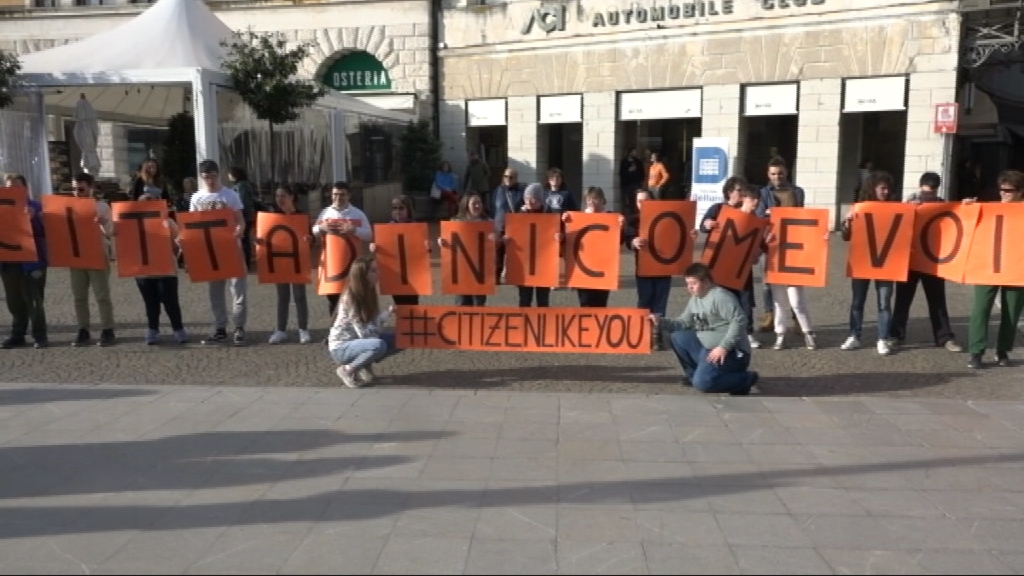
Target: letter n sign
{"points": [[547, 18]]}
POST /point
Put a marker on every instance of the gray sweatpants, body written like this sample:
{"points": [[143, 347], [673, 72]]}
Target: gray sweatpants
{"points": [[285, 292], [218, 304]]}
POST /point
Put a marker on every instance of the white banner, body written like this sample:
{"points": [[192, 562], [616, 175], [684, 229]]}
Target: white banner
{"points": [[485, 112], [875, 94], [660, 104], [565, 109], [770, 99], [710, 171]]}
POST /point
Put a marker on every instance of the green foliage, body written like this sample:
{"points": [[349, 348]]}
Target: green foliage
{"points": [[421, 156], [262, 69], [179, 153], [10, 66]]}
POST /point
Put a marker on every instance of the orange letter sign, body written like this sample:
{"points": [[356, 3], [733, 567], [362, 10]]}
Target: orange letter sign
{"points": [[531, 250], [798, 253], [74, 239], [880, 240], [143, 239], [731, 248], [666, 225], [212, 251], [467, 263], [17, 244], [282, 251], [592, 251], [403, 259]]}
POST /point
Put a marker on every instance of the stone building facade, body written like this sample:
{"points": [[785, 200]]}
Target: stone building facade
{"points": [[395, 33], [871, 69]]}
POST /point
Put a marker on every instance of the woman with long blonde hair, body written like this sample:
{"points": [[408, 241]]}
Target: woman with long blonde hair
{"points": [[356, 340]]}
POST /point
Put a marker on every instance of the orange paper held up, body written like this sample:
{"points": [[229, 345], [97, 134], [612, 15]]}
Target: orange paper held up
{"points": [[532, 250], [592, 254], [943, 232], [733, 246], [571, 330], [468, 260], [666, 225], [282, 248], [880, 238], [994, 258], [143, 240], [212, 251], [74, 238], [17, 244], [340, 251], [798, 252], [403, 258]]}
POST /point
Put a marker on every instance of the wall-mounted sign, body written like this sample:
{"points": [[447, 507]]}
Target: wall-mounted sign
{"points": [[875, 94], [551, 17], [561, 109], [357, 72], [946, 118], [489, 112], [660, 104], [770, 99]]}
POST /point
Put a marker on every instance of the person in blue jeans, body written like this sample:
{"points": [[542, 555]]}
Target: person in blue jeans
{"points": [[709, 337], [878, 187], [356, 341]]}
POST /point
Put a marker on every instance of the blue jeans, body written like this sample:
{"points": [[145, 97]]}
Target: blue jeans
{"points": [[768, 298], [364, 351], [884, 289], [747, 301], [729, 376], [652, 293]]}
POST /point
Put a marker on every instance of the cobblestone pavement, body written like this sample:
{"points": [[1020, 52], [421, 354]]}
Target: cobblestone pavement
{"points": [[919, 369], [216, 480]]}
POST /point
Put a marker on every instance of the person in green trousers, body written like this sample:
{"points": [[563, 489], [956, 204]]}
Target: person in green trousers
{"points": [[83, 185], [1011, 298]]}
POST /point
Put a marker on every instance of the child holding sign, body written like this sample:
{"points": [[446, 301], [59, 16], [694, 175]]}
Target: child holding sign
{"points": [[732, 196], [341, 217], [878, 187], [83, 185], [1011, 298], [25, 282], [286, 202], [356, 342]]}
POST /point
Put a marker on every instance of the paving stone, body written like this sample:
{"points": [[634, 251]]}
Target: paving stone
{"points": [[601, 558], [668, 558], [511, 557], [764, 560], [416, 555]]}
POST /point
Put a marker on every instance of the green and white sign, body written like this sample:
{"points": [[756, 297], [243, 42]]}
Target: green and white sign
{"points": [[357, 72]]}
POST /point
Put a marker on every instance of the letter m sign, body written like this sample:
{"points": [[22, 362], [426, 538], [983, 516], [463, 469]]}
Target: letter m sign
{"points": [[547, 18]]}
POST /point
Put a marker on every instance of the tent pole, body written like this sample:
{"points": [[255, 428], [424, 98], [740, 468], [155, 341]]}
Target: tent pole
{"points": [[204, 114]]}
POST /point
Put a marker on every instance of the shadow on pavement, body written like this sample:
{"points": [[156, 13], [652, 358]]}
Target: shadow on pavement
{"points": [[23, 396], [363, 504], [854, 384], [192, 461]]}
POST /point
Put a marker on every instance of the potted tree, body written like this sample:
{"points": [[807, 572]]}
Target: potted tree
{"points": [[421, 155]]}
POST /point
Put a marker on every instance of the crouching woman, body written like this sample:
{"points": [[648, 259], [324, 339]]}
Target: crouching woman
{"points": [[709, 338], [356, 341]]}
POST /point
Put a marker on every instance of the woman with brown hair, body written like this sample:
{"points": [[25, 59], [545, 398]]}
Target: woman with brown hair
{"points": [[149, 182], [403, 211], [471, 209], [356, 340]]}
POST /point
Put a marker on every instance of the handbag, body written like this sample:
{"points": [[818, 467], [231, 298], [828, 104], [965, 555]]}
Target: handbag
{"points": [[435, 192]]}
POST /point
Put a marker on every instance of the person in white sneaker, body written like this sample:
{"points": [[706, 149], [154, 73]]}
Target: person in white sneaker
{"points": [[356, 340], [213, 196], [877, 187], [286, 202]]}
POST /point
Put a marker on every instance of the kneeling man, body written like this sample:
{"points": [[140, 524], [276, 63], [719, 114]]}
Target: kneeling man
{"points": [[710, 338]]}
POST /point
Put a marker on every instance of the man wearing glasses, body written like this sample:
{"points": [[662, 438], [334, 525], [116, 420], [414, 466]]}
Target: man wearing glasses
{"points": [[84, 186], [212, 195], [508, 199]]}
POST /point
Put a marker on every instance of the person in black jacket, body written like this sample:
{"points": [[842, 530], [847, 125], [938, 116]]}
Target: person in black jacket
{"points": [[631, 178]]}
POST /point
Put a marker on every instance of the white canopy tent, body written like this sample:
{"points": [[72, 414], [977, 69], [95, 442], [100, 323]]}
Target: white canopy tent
{"points": [[151, 67]]}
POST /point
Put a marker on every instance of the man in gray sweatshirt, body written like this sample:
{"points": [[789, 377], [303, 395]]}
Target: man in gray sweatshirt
{"points": [[709, 338]]}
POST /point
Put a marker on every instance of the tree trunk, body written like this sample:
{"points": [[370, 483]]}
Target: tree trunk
{"points": [[273, 159]]}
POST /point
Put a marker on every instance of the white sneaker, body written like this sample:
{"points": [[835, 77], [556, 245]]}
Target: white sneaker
{"points": [[780, 342], [883, 348], [754, 342], [366, 374], [347, 377], [809, 341], [277, 337], [305, 337], [851, 343]]}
